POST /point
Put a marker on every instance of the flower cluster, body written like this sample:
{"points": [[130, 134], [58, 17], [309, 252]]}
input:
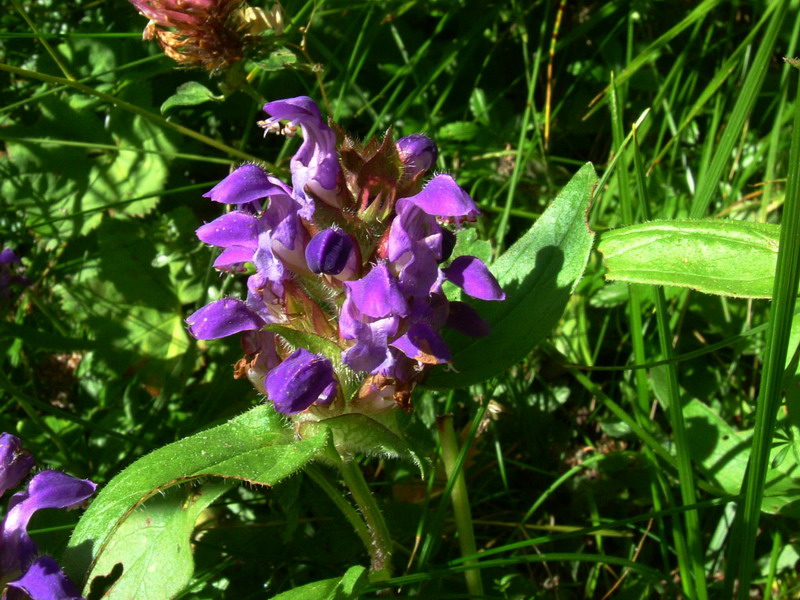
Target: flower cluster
{"points": [[24, 574], [211, 34], [353, 256]]}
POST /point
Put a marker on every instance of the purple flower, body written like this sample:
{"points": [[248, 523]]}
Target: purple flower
{"points": [[300, 381], [39, 577], [315, 166], [369, 280]]}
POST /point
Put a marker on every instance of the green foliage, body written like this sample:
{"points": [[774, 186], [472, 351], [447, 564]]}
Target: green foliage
{"points": [[255, 447], [190, 93], [570, 454], [730, 258]]}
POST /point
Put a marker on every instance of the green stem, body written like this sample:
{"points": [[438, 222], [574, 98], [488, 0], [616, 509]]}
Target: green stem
{"points": [[138, 110], [343, 505], [460, 500], [380, 541]]}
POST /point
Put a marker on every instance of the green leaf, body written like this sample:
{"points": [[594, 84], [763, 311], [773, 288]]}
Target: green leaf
{"points": [[376, 434], [729, 258], [190, 93], [154, 544], [277, 60], [257, 447], [538, 273], [478, 106], [722, 453], [459, 131], [349, 586]]}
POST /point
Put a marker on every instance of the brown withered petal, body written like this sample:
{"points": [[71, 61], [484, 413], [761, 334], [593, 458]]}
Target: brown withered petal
{"points": [[196, 33]]}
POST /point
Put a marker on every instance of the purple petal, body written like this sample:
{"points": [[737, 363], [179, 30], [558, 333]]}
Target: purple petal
{"points": [[15, 462], [48, 489], [418, 278], [413, 230], [235, 255], [465, 319], [223, 318], [378, 294], [232, 229], [443, 197], [329, 252], [300, 381], [44, 580], [424, 345], [245, 184], [471, 275]]}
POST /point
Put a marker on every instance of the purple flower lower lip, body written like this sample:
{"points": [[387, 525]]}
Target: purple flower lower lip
{"points": [[232, 229], [300, 381], [44, 580], [471, 275], [223, 318], [424, 345]]}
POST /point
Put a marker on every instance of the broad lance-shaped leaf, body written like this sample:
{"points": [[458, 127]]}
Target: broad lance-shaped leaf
{"points": [[257, 447], [538, 274], [153, 544], [728, 258]]}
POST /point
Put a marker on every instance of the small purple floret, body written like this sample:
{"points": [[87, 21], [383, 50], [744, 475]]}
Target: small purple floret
{"points": [[329, 251], [300, 381]]}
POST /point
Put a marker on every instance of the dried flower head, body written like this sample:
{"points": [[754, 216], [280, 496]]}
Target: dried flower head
{"points": [[210, 34]]}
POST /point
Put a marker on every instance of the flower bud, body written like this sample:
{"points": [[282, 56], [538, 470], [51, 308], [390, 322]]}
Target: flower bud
{"points": [[418, 154], [300, 381], [15, 462], [330, 251]]}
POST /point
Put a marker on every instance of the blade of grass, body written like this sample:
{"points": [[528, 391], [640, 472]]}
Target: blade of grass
{"points": [[710, 178], [653, 49], [769, 394]]}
